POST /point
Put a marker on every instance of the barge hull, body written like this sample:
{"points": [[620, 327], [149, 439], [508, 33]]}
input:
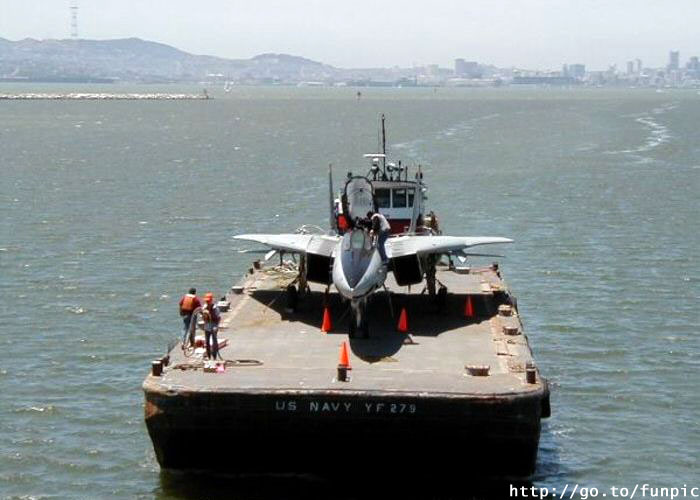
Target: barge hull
{"points": [[293, 433]]}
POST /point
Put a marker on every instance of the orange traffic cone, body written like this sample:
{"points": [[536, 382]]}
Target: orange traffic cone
{"points": [[469, 308], [327, 326], [403, 321], [344, 361]]}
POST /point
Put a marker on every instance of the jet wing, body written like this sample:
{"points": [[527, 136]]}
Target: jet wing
{"points": [[295, 243], [408, 245]]}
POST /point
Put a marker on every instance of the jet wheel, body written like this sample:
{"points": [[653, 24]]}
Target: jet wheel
{"points": [[292, 299], [441, 298]]}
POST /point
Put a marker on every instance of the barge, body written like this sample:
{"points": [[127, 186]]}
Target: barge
{"points": [[408, 377]]}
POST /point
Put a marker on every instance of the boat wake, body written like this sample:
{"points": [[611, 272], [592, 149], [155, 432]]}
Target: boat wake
{"points": [[659, 133], [465, 127], [459, 131]]}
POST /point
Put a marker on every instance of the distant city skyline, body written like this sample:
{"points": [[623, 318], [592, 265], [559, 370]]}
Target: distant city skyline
{"points": [[542, 34]]}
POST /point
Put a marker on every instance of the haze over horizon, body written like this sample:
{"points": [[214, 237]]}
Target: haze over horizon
{"points": [[541, 34]]}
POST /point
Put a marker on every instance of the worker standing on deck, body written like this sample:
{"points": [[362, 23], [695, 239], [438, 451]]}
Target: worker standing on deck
{"points": [[382, 229], [188, 304], [212, 317], [434, 223]]}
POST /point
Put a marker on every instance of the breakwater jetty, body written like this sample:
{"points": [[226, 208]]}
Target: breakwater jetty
{"points": [[86, 96]]}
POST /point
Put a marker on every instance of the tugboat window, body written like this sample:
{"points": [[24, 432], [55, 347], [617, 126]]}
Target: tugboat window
{"points": [[399, 198], [383, 197], [411, 197]]}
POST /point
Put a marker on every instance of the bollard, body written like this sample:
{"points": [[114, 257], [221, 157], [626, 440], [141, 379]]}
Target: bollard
{"points": [[505, 310], [511, 330], [478, 370], [157, 368], [257, 264], [530, 372]]}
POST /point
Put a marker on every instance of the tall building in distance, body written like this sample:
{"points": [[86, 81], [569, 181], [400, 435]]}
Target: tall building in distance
{"points": [[630, 67], [673, 60], [638, 62], [577, 71], [467, 69]]}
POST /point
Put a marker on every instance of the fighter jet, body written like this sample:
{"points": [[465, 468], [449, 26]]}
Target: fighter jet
{"points": [[348, 259]]}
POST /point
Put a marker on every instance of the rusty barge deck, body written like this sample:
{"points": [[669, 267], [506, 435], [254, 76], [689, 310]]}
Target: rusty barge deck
{"points": [[457, 391]]}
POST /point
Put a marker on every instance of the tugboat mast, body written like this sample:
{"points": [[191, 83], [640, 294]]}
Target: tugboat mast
{"points": [[383, 145]]}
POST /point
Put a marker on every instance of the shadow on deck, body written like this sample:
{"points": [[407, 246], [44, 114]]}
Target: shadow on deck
{"points": [[425, 317]]}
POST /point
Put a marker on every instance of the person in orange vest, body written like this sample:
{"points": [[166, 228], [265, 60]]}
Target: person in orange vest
{"points": [[188, 304], [212, 317], [342, 224]]}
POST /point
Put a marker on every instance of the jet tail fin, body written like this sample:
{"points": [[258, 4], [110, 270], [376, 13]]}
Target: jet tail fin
{"points": [[332, 220]]}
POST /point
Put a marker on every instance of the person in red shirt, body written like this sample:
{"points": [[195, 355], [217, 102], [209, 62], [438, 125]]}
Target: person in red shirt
{"points": [[188, 304]]}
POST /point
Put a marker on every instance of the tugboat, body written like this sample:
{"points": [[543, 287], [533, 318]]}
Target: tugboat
{"points": [[400, 200], [444, 371]]}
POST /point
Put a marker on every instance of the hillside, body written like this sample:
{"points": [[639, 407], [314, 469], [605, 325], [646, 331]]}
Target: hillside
{"points": [[136, 60]]}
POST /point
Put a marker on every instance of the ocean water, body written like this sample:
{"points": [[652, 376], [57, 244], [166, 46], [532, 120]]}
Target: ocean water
{"points": [[110, 210]]}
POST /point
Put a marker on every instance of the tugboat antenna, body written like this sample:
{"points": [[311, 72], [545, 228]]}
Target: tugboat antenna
{"points": [[383, 146]]}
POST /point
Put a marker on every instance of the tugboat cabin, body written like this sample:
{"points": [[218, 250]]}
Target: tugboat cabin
{"points": [[400, 201], [397, 201]]}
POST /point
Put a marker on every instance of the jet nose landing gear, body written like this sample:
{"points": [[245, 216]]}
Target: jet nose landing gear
{"points": [[359, 322]]}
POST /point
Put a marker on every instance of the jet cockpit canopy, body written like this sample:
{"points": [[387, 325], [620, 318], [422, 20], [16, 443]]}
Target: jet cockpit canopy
{"points": [[358, 198]]}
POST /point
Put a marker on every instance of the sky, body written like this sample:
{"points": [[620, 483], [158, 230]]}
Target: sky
{"points": [[532, 34]]}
